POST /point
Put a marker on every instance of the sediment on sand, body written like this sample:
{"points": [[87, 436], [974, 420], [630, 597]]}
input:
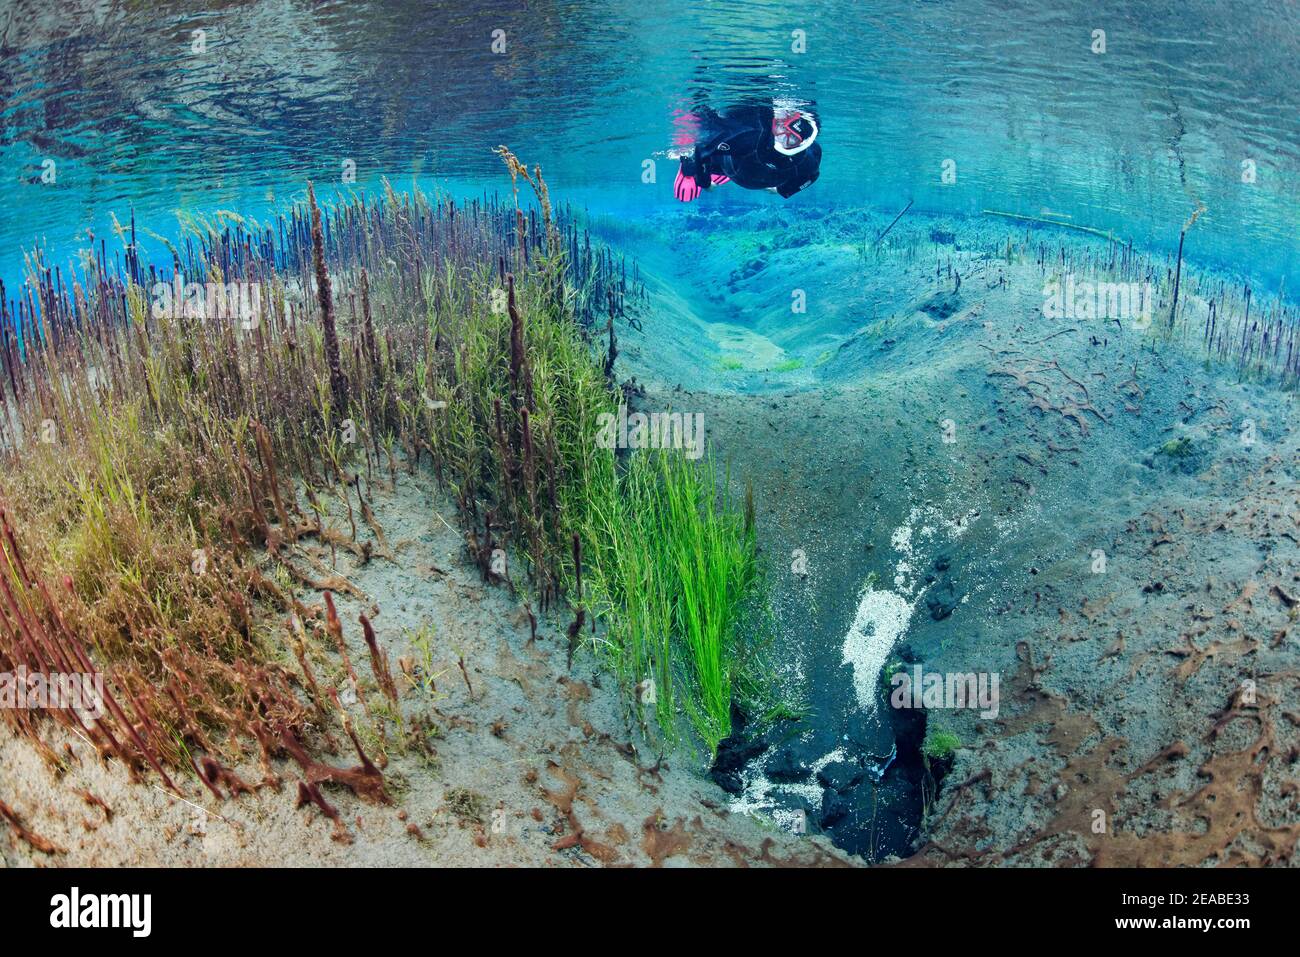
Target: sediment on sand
{"points": [[1072, 434]]}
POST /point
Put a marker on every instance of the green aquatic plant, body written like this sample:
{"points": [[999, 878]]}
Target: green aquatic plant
{"points": [[892, 668], [939, 743], [173, 476], [674, 565], [422, 674]]}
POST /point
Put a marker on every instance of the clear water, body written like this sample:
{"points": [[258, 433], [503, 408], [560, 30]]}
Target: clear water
{"points": [[1130, 140]]}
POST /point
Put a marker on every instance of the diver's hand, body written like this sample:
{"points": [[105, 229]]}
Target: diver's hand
{"points": [[685, 188]]}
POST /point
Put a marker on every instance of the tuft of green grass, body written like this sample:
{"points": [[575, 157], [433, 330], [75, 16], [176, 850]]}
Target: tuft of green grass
{"points": [[939, 743], [674, 565], [424, 677]]}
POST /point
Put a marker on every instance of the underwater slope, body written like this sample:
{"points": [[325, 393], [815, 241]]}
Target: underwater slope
{"points": [[949, 473], [203, 493], [1081, 505], [528, 761]]}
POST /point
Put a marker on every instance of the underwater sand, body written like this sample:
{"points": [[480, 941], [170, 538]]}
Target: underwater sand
{"points": [[536, 754], [977, 556]]}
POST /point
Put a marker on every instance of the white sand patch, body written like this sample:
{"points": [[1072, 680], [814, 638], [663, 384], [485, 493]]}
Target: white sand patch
{"points": [[901, 541], [883, 616], [881, 619], [760, 794]]}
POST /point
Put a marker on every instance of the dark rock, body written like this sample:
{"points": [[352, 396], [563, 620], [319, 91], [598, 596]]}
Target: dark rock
{"points": [[909, 733], [792, 761], [835, 808], [734, 752], [940, 608], [943, 602], [729, 781], [840, 775], [783, 766], [943, 563], [860, 730]]}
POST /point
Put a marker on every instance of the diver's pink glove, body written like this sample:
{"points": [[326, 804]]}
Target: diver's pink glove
{"points": [[719, 180], [685, 188]]}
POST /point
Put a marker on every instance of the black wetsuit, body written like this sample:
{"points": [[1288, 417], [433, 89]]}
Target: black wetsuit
{"points": [[740, 146]]}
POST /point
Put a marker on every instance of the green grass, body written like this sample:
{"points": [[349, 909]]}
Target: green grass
{"points": [[422, 643], [674, 567], [939, 743], [892, 668], [205, 439], [1179, 448], [669, 567]]}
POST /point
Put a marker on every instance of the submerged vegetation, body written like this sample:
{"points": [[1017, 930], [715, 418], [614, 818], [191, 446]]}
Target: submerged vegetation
{"points": [[673, 572], [939, 743], [174, 472], [1179, 448]]}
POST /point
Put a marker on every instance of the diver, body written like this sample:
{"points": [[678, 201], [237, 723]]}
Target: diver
{"points": [[756, 147]]}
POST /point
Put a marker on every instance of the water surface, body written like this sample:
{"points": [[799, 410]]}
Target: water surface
{"points": [[1130, 140]]}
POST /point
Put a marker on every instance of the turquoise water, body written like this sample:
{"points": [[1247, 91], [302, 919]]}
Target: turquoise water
{"points": [[1129, 140], [1191, 106]]}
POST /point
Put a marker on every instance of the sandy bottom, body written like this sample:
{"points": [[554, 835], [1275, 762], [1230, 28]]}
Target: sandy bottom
{"points": [[949, 474], [535, 767]]}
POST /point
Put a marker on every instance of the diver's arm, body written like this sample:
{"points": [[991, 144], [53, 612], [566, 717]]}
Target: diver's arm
{"points": [[806, 170], [792, 186]]}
